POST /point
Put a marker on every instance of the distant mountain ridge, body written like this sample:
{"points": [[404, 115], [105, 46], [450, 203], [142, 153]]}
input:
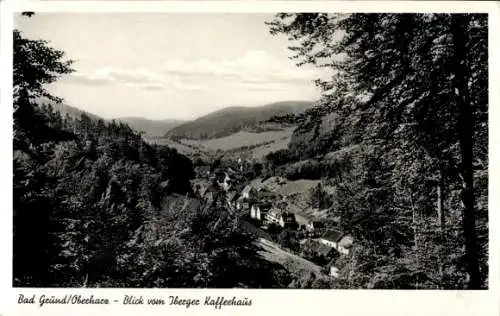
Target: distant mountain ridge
{"points": [[154, 128], [73, 112], [229, 120]]}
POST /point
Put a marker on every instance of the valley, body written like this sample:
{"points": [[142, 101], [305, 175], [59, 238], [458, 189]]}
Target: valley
{"points": [[379, 180], [267, 173], [255, 145], [232, 158]]}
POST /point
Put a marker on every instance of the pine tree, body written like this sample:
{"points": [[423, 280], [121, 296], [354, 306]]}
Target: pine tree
{"points": [[414, 85]]}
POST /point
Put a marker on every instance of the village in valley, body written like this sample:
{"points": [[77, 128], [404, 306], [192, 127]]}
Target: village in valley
{"points": [[280, 213], [317, 151]]}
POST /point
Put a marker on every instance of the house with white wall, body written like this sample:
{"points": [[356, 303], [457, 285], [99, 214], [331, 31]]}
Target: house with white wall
{"points": [[345, 244], [248, 192], [259, 211], [334, 272], [337, 240], [281, 218]]}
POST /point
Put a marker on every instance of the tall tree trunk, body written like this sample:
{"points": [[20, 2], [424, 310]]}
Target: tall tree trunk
{"points": [[415, 238], [465, 133], [414, 222], [441, 221], [440, 208]]}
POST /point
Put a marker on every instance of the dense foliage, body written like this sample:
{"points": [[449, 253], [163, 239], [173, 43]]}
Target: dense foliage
{"points": [[399, 139], [403, 119], [80, 195], [96, 206]]}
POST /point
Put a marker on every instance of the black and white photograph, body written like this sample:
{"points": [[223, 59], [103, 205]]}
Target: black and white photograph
{"points": [[211, 150]]}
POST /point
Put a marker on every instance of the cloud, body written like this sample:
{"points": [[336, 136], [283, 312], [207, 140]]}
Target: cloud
{"points": [[187, 87], [152, 86], [140, 78], [179, 84], [255, 66], [256, 70], [136, 76], [84, 79]]}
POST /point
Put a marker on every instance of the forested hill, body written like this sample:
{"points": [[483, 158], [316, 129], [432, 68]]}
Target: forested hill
{"points": [[68, 110], [407, 161], [82, 188], [96, 206], [230, 120], [398, 145], [150, 128]]}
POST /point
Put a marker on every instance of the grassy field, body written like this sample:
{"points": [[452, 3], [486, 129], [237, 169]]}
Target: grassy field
{"points": [[251, 144], [262, 151], [242, 139], [188, 149], [297, 186]]}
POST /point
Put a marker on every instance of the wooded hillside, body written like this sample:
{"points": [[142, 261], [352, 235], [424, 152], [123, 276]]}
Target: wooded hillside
{"points": [[233, 119], [393, 158], [96, 206], [410, 91]]}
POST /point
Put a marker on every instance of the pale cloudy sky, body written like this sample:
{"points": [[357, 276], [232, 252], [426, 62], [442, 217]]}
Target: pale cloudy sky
{"points": [[170, 65]]}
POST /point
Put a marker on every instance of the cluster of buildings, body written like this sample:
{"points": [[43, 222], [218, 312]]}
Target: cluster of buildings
{"points": [[337, 240], [268, 208], [264, 207]]}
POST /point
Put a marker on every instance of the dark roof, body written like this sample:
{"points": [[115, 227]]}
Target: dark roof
{"points": [[318, 224], [332, 235], [264, 205]]}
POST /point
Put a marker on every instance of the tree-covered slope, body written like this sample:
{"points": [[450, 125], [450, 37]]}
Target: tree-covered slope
{"points": [[96, 206], [233, 119], [405, 143]]}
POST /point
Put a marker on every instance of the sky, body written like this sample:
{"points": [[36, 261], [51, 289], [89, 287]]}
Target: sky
{"points": [[170, 65]]}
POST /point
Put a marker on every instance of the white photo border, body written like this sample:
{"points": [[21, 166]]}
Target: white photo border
{"points": [[285, 302]]}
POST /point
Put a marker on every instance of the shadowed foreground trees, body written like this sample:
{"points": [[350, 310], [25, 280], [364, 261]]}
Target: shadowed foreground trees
{"points": [[411, 89], [96, 206]]}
